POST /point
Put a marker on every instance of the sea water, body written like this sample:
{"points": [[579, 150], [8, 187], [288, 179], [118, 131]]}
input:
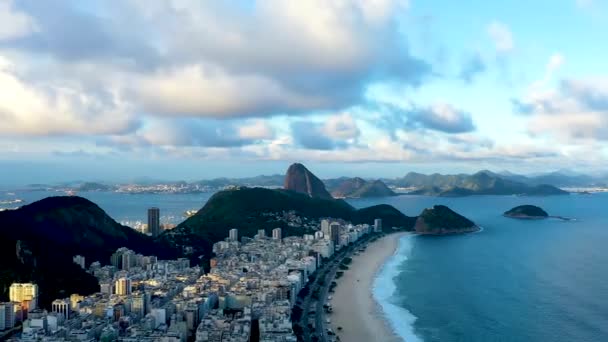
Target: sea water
{"points": [[514, 281]]}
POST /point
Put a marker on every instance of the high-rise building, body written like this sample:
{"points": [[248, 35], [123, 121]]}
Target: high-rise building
{"points": [[138, 304], [325, 227], [26, 294], [377, 225], [123, 286], [261, 233], [334, 232], [154, 221], [233, 235], [277, 234], [61, 307], [80, 261], [7, 315]]}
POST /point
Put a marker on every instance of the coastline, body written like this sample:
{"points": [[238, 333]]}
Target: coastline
{"points": [[355, 306]]}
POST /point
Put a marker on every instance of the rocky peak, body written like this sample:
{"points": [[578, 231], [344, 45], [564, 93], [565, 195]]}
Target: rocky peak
{"points": [[300, 179]]}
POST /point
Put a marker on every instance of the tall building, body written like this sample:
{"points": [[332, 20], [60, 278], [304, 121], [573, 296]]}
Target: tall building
{"points": [[138, 304], [233, 235], [123, 286], [154, 221], [61, 307], [377, 225], [26, 294], [261, 233], [80, 261], [276, 234], [325, 227], [334, 233], [7, 316]]}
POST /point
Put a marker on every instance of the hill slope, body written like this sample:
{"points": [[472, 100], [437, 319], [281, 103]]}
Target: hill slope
{"points": [[250, 209], [442, 220], [40, 239], [360, 188]]}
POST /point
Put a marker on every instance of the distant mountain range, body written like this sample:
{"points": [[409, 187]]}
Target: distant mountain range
{"points": [[358, 188], [506, 183], [480, 183]]}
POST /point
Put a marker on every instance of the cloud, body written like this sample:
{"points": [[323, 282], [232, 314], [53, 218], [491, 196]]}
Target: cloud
{"points": [[342, 126], [473, 66], [441, 117], [238, 66], [192, 132], [576, 111], [13, 23], [30, 108], [337, 132], [501, 36], [257, 130]]}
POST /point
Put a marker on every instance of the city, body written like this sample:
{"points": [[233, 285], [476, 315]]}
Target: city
{"points": [[254, 288]]}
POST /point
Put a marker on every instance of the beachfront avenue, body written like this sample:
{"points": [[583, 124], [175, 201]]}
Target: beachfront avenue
{"points": [[312, 308]]}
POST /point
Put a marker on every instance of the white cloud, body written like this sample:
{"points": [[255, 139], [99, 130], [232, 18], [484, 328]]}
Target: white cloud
{"points": [[501, 36], [342, 126], [198, 90], [55, 108], [576, 111], [14, 24], [257, 130]]}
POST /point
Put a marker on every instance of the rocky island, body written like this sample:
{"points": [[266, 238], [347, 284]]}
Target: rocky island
{"points": [[441, 220], [527, 212]]}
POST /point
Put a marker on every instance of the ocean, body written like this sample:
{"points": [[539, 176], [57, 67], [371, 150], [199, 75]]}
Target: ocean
{"points": [[514, 281]]}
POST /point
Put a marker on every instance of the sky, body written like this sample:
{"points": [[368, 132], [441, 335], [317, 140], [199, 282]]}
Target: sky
{"points": [[194, 89]]}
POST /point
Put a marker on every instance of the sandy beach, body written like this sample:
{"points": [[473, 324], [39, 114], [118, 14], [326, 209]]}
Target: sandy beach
{"points": [[354, 308]]}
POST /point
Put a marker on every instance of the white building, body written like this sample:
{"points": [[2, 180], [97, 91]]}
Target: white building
{"points": [[7, 316], [233, 234], [61, 307], [377, 225], [276, 234], [325, 227]]}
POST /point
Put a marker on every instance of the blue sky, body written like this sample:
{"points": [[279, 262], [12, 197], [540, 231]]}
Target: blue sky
{"points": [[188, 89]]}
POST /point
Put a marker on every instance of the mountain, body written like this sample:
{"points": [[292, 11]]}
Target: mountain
{"points": [[441, 220], [92, 186], [250, 209], [39, 240], [480, 183], [527, 212], [299, 179], [360, 188]]}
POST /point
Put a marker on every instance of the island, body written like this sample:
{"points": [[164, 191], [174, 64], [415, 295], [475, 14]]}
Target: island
{"points": [[527, 212], [441, 220]]}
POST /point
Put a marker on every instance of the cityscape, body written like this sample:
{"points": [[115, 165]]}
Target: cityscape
{"points": [[249, 294], [303, 171]]}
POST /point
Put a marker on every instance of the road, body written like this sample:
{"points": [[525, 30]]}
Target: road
{"points": [[326, 273]]}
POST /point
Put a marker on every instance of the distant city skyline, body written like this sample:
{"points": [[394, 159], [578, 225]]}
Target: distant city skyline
{"points": [[354, 88]]}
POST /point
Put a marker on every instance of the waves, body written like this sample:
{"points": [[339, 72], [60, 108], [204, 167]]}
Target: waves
{"points": [[400, 320]]}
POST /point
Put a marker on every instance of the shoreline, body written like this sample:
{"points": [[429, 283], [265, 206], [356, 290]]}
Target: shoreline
{"points": [[355, 307]]}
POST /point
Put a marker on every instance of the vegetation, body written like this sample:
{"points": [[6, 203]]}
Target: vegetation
{"points": [[38, 241], [526, 211], [442, 220]]}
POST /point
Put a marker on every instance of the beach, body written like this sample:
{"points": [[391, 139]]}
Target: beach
{"points": [[354, 308]]}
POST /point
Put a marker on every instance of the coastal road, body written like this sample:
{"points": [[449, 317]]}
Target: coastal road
{"points": [[329, 277], [325, 273]]}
